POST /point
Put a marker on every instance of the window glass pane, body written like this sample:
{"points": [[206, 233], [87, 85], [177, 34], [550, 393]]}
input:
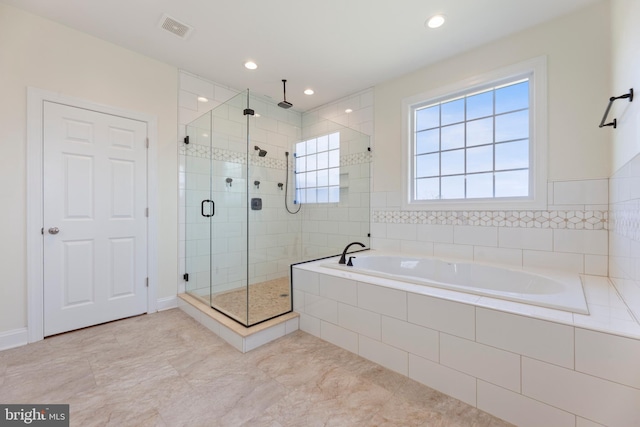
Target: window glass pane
{"points": [[323, 160], [428, 141], [311, 179], [427, 118], [452, 111], [452, 137], [334, 194], [311, 146], [480, 159], [301, 148], [323, 178], [301, 196], [513, 97], [480, 105], [322, 196], [453, 187], [480, 132], [480, 185], [427, 165], [301, 164], [512, 184], [334, 141], [312, 163], [301, 180], [512, 126], [323, 143], [452, 162], [428, 189], [334, 176], [311, 195], [512, 155]]}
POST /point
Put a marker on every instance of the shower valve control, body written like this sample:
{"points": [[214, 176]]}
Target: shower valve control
{"points": [[54, 230]]}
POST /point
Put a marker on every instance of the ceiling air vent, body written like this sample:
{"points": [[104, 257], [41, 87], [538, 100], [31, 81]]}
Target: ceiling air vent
{"points": [[175, 27]]}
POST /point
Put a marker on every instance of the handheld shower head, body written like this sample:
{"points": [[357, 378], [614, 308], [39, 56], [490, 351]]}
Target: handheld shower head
{"points": [[284, 104], [260, 151]]}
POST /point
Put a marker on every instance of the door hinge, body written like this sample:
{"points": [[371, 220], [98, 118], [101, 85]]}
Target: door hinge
{"points": [[186, 277], [186, 139], [146, 212], [147, 282], [147, 142]]}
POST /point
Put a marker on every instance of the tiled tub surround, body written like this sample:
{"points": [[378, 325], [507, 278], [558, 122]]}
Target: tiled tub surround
{"points": [[529, 365], [570, 235]]}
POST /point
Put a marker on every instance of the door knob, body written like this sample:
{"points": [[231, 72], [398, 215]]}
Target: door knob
{"points": [[54, 230]]}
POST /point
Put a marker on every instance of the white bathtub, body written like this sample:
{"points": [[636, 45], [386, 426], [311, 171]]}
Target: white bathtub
{"points": [[549, 289]]}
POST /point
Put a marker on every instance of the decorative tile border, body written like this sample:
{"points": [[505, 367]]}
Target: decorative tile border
{"points": [[573, 220], [206, 152]]}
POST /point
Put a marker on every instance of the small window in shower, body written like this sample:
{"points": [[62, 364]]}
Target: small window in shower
{"points": [[318, 169]]}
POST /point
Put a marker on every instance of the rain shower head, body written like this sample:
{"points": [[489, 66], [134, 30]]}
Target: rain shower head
{"points": [[260, 151], [284, 104]]}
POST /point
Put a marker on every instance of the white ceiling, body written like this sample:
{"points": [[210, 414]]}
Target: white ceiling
{"points": [[336, 47]]}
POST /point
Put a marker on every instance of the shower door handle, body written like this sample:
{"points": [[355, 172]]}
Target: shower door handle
{"points": [[213, 208]]}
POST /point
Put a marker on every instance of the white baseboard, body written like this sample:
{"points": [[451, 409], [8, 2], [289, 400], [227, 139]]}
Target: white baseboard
{"points": [[167, 303], [14, 338]]}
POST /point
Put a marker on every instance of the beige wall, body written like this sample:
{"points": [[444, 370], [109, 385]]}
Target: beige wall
{"points": [[39, 53], [626, 74], [577, 50]]}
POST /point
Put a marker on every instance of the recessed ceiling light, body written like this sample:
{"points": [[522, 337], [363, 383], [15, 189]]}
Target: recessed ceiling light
{"points": [[435, 21], [309, 92], [250, 65], [202, 99], [348, 110]]}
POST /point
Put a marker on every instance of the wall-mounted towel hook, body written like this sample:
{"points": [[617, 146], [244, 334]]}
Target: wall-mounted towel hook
{"points": [[614, 123], [257, 184], [280, 185], [229, 181]]}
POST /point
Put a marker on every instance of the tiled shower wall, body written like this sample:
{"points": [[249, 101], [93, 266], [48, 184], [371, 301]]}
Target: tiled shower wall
{"points": [[624, 245]]}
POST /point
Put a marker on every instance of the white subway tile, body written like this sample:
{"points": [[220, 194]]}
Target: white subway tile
{"points": [[232, 338], [520, 410], [415, 339], [535, 338], [321, 308], [401, 231], [262, 337], [445, 250], [390, 302], [475, 235], [504, 256], [417, 248], [358, 320], [448, 381], [306, 281], [594, 242], [593, 191], [310, 325], [573, 263], [385, 355], [593, 398], [435, 233], [338, 288], [339, 336], [525, 238], [446, 316], [608, 356], [596, 265], [196, 85], [488, 363]]}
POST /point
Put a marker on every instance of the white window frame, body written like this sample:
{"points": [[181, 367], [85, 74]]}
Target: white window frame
{"points": [[536, 70]]}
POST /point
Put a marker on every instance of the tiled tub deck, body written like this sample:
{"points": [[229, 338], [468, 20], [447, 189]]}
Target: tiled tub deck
{"points": [[528, 365]]}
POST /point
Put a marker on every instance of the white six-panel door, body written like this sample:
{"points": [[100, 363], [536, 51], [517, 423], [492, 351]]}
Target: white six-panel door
{"points": [[95, 220]]}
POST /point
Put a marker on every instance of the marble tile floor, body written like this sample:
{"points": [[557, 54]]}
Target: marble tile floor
{"points": [[165, 369]]}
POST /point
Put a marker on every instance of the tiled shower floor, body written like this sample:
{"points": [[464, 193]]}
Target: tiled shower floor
{"points": [[165, 369], [266, 300]]}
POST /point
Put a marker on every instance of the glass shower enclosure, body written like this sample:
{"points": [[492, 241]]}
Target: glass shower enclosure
{"points": [[250, 205]]}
